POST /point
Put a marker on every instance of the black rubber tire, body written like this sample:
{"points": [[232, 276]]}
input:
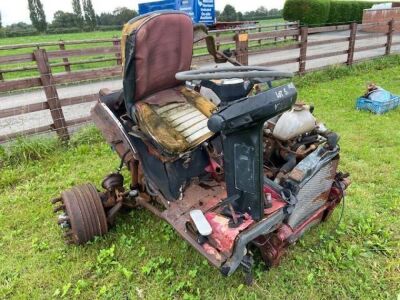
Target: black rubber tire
{"points": [[86, 213]]}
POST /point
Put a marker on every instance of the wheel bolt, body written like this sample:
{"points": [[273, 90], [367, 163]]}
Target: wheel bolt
{"points": [[61, 207]]}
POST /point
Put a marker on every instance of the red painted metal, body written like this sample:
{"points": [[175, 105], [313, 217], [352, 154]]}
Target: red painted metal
{"points": [[273, 246], [223, 236]]}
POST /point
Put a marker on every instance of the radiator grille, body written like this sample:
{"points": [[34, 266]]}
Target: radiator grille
{"points": [[314, 194]]}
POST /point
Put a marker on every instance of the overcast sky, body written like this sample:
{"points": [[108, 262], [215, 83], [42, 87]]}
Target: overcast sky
{"points": [[13, 11]]}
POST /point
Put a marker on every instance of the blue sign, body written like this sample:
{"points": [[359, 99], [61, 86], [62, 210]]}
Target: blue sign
{"points": [[201, 11]]}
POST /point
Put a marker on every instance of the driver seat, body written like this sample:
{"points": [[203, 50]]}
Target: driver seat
{"points": [[155, 47]]}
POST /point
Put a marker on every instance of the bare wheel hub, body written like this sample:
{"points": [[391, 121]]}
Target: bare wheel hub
{"points": [[83, 214]]}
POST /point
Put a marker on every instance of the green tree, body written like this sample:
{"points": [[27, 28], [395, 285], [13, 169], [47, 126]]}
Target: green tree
{"points": [[90, 15], [37, 15], [77, 8], [123, 14], [1, 23], [106, 19], [64, 20], [228, 14]]}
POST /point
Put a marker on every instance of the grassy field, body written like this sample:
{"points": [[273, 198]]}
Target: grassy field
{"points": [[88, 36], [142, 258]]}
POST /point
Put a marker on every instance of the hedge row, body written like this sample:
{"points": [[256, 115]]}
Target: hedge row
{"points": [[347, 11], [321, 12]]}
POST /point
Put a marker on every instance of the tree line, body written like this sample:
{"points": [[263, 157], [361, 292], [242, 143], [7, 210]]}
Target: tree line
{"points": [[84, 18], [229, 14]]}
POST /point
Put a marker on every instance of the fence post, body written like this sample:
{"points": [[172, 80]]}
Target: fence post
{"points": [[303, 49], [352, 43], [65, 60], [242, 48], [117, 43], [50, 90], [276, 38], [217, 41], [389, 37], [297, 26], [286, 28], [1, 76]]}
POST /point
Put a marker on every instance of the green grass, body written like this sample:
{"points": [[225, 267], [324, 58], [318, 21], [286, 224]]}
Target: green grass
{"points": [[143, 258], [271, 22]]}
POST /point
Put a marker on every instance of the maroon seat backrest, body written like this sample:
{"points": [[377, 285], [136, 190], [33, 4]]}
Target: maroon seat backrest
{"points": [[156, 47]]}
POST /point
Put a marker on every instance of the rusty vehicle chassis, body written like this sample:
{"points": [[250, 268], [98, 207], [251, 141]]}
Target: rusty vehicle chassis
{"points": [[263, 234]]}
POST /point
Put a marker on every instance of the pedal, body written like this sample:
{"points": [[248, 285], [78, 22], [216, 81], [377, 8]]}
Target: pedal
{"points": [[201, 223]]}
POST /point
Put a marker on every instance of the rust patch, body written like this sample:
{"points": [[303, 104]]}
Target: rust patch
{"points": [[297, 175]]}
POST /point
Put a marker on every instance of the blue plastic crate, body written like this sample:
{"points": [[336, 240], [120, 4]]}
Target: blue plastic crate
{"points": [[378, 103]]}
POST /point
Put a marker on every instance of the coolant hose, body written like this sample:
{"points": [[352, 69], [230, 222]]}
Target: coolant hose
{"points": [[290, 163], [332, 139]]}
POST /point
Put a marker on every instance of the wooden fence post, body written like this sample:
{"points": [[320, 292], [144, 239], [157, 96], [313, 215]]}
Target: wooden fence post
{"points": [[50, 90], [303, 49], [286, 28], [297, 26], [389, 37], [65, 60], [117, 43], [217, 41], [352, 43], [276, 38], [242, 48]]}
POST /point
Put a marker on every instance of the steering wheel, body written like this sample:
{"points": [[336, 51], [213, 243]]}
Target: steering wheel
{"points": [[242, 72]]}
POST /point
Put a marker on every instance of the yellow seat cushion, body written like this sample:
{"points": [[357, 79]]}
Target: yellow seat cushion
{"points": [[176, 119]]}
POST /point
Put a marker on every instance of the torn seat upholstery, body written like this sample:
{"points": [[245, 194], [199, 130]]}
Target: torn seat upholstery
{"points": [[154, 48]]}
